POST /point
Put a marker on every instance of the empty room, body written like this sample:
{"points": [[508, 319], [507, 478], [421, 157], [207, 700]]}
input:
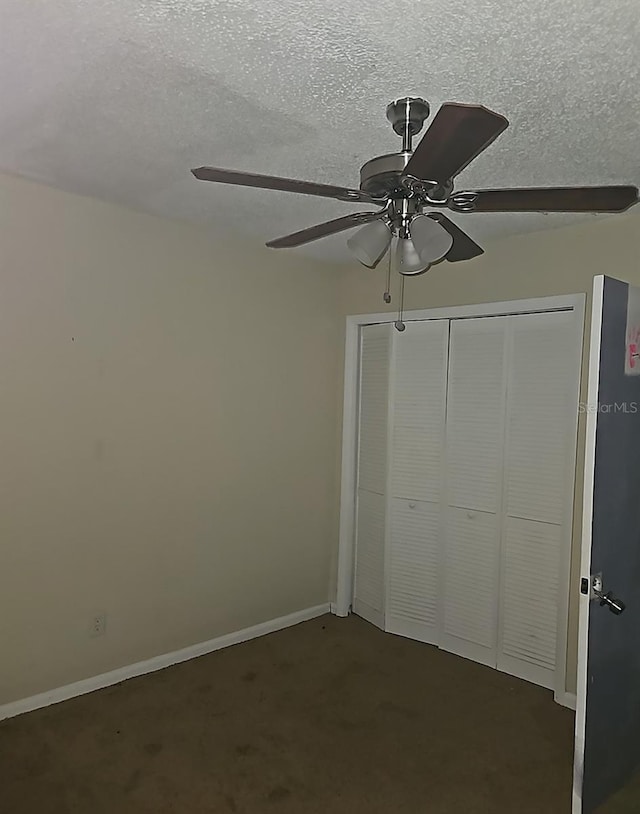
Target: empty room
{"points": [[320, 361]]}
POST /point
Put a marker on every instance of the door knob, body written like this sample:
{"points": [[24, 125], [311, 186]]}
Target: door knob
{"points": [[615, 605]]}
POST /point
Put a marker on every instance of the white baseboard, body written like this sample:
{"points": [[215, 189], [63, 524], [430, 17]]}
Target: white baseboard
{"points": [[98, 682], [566, 699]]}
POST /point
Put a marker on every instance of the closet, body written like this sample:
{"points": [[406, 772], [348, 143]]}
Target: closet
{"points": [[466, 435]]}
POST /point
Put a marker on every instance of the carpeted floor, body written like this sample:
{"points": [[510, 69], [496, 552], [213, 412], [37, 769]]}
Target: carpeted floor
{"points": [[329, 717]]}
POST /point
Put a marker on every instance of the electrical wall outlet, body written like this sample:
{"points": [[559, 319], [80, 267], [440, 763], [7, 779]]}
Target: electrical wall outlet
{"points": [[98, 626]]}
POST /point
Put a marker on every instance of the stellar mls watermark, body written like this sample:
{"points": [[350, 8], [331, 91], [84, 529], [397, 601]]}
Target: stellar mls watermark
{"points": [[628, 407]]}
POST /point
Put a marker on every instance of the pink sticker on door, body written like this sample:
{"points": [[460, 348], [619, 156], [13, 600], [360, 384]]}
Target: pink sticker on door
{"points": [[632, 350]]}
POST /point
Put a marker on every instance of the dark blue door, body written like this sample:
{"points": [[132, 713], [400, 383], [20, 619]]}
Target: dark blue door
{"points": [[608, 709]]}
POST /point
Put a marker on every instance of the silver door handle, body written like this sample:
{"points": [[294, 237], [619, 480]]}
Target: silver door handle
{"points": [[615, 605]]}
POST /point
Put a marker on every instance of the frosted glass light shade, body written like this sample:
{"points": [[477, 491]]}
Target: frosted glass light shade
{"points": [[431, 240], [370, 243], [408, 261]]}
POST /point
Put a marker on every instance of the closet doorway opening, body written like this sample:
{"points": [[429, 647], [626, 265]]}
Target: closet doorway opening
{"points": [[458, 474]]}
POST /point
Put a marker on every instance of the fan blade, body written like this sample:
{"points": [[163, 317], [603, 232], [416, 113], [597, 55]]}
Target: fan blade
{"points": [[464, 248], [331, 227], [247, 179], [561, 199], [456, 136]]}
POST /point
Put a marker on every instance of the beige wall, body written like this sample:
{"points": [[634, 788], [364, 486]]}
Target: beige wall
{"points": [[168, 425], [561, 261]]}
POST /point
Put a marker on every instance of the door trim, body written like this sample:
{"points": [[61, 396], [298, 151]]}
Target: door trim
{"points": [[593, 389], [346, 542]]}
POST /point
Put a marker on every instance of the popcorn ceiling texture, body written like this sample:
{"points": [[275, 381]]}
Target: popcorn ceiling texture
{"points": [[118, 99]]}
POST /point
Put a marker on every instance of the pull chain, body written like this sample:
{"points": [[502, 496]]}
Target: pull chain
{"points": [[399, 324], [387, 292]]}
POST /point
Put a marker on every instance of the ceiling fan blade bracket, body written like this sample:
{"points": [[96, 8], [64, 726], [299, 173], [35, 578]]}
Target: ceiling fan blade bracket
{"points": [[433, 193], [351, 196], [463, 202]]}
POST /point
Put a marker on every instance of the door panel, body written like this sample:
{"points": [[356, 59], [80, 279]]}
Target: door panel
{"points": [[418, 405], [542, 391], [419, 394], [475, 413], [414, 570], [368, 595], [375, 355], [541, 422], [608, 712], [470, 589], [529, 614]]}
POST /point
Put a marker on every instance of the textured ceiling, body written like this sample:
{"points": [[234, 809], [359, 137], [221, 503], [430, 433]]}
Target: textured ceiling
{"points": [[118, 99]]}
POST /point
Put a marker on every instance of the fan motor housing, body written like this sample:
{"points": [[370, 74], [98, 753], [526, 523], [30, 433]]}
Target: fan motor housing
{"points": [[381, 176]]}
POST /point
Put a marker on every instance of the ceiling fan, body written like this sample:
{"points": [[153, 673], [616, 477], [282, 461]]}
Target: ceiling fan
{"points": [[407, 184]]}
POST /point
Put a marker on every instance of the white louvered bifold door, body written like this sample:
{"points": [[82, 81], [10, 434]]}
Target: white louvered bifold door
{"points": [[375, 354], [418, 404], [540, 389], [474, 460]]}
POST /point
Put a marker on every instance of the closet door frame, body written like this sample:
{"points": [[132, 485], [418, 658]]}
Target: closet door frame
{"points": [[346, 545]]}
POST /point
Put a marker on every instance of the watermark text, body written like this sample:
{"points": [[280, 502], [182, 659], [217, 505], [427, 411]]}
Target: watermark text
{"points": [[628, 407]]}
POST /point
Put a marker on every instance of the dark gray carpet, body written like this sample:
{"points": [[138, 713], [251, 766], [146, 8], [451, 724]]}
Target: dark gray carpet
{"points": [[331, 716]]}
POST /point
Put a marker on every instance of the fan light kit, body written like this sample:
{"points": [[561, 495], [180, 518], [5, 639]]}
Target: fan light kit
{"points": [[408, 184]]}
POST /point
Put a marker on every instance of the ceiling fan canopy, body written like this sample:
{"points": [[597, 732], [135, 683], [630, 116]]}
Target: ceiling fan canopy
{"points": [[413, 186]]}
